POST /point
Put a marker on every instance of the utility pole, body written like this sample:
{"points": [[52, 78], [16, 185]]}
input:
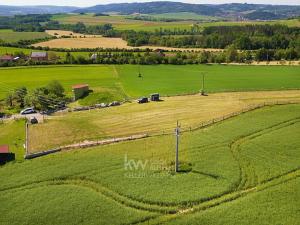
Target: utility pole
{"points": [[177, 131], [140, 75], [203, 78], [26, 137]]}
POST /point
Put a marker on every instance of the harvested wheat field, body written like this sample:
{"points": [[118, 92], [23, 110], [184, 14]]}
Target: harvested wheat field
{"points": [[94, 41], [153, 118], [60, 33], [87, 42]]}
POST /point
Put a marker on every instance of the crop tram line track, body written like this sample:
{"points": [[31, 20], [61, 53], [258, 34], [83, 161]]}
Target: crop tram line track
{"points": [[247, 175], [171, 211]]}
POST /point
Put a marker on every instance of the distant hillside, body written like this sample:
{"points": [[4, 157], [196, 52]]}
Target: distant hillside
{"points": [[234, 10], [6, 10]]}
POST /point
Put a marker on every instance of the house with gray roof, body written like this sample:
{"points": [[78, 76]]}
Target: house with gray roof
{"points": [[39, 56]]}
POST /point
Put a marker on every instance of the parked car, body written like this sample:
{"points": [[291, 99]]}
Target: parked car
{"points": [[27, 111], [115, 103], [143, 100], [81, 108], [33, 120]]}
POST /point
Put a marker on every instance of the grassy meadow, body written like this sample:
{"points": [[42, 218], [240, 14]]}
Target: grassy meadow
{"points": [[165, 79], [13, 134], [227, 170], [11, 36]]}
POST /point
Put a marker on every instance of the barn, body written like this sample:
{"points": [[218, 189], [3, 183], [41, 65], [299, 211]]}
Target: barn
{"points": [[39, 56], [5, 155], [80, 90]]}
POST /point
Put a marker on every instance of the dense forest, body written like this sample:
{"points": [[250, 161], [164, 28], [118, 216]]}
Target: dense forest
{"points": [[29, 23]]}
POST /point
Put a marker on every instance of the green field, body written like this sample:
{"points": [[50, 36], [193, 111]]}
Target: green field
{"points": [[12, 36], [232, 173], [27, 51], [165, 79], [183, 16], [121, 22]]}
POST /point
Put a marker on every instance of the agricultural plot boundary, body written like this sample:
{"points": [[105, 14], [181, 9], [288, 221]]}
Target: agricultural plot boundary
{"points": [[88, 144]]}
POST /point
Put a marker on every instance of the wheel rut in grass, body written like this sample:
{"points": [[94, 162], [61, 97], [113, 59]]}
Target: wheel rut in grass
{"points": [[248, 177], [226, 198]]}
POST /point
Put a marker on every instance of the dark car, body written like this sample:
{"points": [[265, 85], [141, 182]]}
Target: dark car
{"points": [[143, 100], [33, 120]]}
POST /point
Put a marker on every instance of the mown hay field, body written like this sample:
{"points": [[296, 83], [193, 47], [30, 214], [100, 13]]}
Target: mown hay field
{"points": [[235, 172], [87, 42], [153, 118]]}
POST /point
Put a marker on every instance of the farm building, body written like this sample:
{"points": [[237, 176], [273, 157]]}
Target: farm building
{"points": [[6, 58], [80, 90], [5, 155], [39, 56]]}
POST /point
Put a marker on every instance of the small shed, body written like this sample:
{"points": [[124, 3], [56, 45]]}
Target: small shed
{"points": [[80, 90], [39, 56], [6, 58], [5, 155], [154, 97]]}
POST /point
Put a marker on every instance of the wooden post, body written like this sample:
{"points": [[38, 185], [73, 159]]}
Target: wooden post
{"points": [[26, 137], [177, 131], [203, 84]]}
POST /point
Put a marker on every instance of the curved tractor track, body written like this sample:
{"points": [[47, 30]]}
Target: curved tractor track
{"points": [[166, 212]]}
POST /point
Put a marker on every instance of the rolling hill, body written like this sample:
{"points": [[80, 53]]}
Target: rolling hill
{"points": [[6, 10], [234, 10]]}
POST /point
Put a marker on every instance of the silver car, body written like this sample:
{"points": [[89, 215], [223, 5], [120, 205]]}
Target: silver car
{"points": [[27, 111]]}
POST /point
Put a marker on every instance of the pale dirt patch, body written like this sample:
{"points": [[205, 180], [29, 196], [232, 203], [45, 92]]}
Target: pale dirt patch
{"points": [[155, 117]]}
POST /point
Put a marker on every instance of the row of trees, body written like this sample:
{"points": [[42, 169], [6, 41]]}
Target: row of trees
{"points": [[51, 96], [229, 55]]}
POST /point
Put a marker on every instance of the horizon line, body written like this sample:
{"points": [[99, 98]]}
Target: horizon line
{"points": [[245, 3]]}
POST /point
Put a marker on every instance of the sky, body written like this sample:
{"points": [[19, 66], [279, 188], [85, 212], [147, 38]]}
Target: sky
{"points": [[85, 3]]}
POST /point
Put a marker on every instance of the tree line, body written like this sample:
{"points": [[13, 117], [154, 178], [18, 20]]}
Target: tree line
{"points": [[229, 55], [248, 37]]}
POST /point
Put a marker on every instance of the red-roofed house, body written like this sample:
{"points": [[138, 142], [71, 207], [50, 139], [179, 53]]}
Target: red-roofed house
{"points": [[5, 155], [4, 149], [6, 58], [80, 90]]}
